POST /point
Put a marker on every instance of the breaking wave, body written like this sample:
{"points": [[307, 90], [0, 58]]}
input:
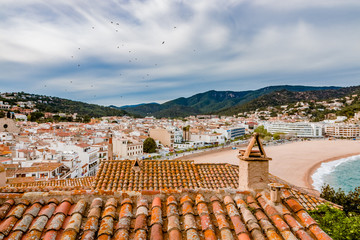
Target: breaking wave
{"points": [[342, 173]]}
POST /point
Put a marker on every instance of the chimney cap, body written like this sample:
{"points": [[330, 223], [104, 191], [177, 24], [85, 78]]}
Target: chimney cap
{"points": [[251, 154], [275, 186]]}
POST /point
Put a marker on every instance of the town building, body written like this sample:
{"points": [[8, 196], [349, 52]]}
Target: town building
{"points": [[232, 132], [161, 199], [164, 136], [342, 131], [127, 149], [309, 130]]}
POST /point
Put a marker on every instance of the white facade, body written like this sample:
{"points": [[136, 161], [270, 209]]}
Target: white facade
{"points": [[343, 130], [297, 129], [87, 157], [211, 138], [232, 133], [188, 145], [123, 148]]}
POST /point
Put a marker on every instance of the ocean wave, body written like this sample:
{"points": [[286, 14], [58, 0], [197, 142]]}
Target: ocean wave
{"points": [[328, 168]]}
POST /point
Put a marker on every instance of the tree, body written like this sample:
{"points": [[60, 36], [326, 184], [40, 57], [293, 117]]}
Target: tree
{"points": [[337, 223], [262, 131], [35, 116], [350, 201], [278, 135], [149, 145]]}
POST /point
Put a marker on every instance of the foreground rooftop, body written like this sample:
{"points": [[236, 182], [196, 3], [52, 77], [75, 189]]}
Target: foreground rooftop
{"points": [[154, 215]]}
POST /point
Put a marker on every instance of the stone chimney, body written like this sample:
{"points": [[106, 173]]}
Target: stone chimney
{"points": [[2, 175], [253, 166], [275, 192]]}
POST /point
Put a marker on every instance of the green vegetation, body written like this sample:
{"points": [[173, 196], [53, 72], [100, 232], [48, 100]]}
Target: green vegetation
{"points": [[350, 201], [286, 96], [85, 111], [278, 135], [337, 223], [211, 102], [264, 134], [60, 105], [149, 145]]}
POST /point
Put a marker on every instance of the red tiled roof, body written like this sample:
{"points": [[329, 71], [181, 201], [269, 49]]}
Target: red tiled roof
{"points": [[118, 175], [178, 215], [45, 186]]}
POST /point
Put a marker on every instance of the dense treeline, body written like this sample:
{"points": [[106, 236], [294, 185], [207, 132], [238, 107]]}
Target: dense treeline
{"points": [[337, 223], [285, 97], [59, 105]]}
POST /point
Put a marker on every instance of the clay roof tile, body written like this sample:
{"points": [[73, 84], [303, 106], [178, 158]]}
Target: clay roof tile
{"points": [[106, 226], [55, 222], [63, 208], [79, 207], [24, 223]]}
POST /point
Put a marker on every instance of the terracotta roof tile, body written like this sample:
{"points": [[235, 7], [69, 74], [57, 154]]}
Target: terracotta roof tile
{"points": [[69, 234], [78, 208], [38, 224], [7, 225], [33, 210], [5, 208], [33, 234], [50, 235], [110, 211], [167, 200], [106, 226], [24, 223], [47, 210], [74, 223], [207, 215], [17, 211], [63, 208]]}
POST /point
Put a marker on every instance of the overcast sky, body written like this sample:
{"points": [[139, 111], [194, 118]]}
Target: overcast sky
{"points": [[130, 51]]}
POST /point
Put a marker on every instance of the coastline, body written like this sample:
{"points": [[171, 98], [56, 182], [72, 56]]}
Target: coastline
{"points": [[293, 162], [308, 175]]}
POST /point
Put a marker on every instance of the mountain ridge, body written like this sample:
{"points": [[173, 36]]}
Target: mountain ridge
{"points": [[212, 101]]}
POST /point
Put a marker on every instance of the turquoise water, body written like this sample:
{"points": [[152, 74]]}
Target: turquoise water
{"points": [[343, 173]]}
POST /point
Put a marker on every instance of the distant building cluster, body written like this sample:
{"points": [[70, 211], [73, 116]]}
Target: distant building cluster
{"points": [[46, 151]]}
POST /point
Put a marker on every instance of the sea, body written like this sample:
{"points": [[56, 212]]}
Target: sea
{"points": [[343, 173]]}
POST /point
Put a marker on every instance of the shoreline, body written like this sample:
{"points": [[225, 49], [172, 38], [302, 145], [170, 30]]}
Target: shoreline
{"points": [[294, 162], [308, 175], [208, 152]]}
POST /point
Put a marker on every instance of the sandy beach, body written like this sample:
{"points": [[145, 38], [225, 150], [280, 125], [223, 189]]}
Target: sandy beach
{"points": [[294, 162]]}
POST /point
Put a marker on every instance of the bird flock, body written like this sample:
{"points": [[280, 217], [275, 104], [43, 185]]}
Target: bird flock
{"points": [[79, 65]]}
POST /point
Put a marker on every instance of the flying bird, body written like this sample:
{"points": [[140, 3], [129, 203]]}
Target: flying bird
{"points": [[163, 42]]}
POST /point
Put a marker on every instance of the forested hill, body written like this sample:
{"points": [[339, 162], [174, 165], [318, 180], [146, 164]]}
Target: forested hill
{"points": [[60, 105], [284, 97], [210, 101]]}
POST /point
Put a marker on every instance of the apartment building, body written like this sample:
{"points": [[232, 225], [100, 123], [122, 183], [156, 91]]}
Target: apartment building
{"points": [[232, 133], [208, 138], [297, 129], [344, 130], [164, 136], [123, 148]]}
